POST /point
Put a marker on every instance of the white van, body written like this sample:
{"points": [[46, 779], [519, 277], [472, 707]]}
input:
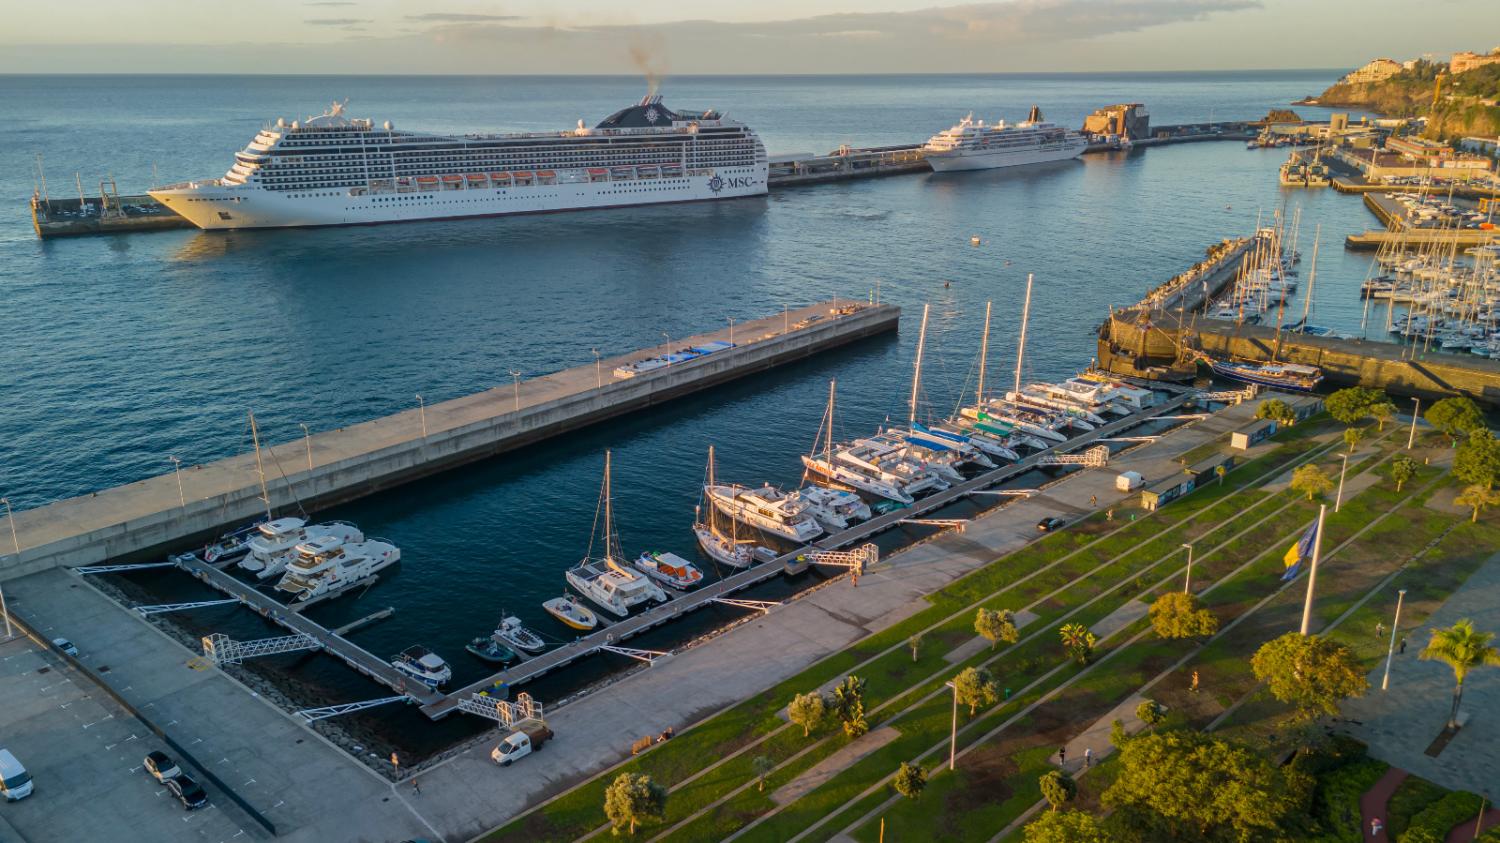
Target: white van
{"points": [[15, 782]]}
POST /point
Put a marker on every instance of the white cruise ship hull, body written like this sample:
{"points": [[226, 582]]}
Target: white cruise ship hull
{"points": [[993, 159], [215, 207]]}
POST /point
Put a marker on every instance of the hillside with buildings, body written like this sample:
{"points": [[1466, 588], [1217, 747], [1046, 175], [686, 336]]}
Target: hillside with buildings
{"points": [[1466, 90]]}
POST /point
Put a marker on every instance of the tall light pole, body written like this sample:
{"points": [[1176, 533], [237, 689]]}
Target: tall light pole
{"points": [[307, 440], [1411, 438], [516, 375], [1312, 573], [16, 542], [421, 411], [953, 741], [668, 348], [1385, 681], [731, 330], [177, 470], [1338, 499], [598, 369], [1187, 582], [786, 319]]}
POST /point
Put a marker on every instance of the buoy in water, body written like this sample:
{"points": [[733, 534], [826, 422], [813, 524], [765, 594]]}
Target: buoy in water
{"points": [[975, 241]]}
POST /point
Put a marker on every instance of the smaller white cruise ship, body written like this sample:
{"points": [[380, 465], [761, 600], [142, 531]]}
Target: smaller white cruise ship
{"points": [[972, 145]]}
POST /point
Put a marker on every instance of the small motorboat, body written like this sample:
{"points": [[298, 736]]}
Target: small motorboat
{"points": [[486, 648], [571, 612], [423, 665], [513, 632], [669, 568]]}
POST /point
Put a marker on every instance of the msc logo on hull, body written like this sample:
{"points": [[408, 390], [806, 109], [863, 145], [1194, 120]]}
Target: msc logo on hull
{"points": [[718, 183]]}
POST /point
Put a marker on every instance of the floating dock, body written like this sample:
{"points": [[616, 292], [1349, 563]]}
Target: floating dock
{"points": [[615, 633], [335, 466]]}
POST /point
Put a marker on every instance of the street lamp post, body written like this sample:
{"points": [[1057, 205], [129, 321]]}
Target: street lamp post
{"points": [[1385, 681], [307, 440], [786, 319], [1338, 499], [16, 542], [953, 741], [1411, 438], [1187, 582], [667, 353], [731, 330], [421, 411], [598, 369], [177, 470], [516, 375]]}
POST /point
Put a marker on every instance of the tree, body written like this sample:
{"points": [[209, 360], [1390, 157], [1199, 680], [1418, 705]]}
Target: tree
{"points": [[1177, 614], [1276, 410], [1312, 480], [1477, 497], [1352, 436], [910, 780], [762, 766], [633, 799], [1117, 733], [808, 711], [849, 705], [996, 625], [1403, 468], [1187, 785], [1151, 712], [1077, 642], [1462, 648], [1477, 460], [1313, 674], [914, 642], [1064, 827], [1352, 404], [1382, 412], [975, 687], [1454, 416], [1058, 788]]}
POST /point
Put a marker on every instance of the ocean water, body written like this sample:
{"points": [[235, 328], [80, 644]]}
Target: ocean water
{"points": [[117, 352]]}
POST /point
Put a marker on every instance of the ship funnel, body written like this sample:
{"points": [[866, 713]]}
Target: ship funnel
{"points": [[1035, 116]]}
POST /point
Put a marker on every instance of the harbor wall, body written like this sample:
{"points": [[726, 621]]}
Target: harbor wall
{"points": [[149, 517]]}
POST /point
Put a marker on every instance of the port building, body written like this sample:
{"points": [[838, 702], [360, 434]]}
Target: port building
{"points": [[1378, 70], [1465, 61], [1128, 120]]}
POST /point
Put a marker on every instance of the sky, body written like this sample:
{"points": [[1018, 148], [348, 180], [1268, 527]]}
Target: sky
{"points": [[666, 37]]}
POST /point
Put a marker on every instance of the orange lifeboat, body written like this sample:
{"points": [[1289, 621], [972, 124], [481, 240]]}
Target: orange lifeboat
{"points": [[500, 177]]}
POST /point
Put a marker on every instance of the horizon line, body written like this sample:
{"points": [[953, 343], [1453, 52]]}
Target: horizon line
{"points": [[624, 75]]}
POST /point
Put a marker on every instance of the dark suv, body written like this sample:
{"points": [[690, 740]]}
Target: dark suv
{"points": [[1047, 525], [187, 791]]}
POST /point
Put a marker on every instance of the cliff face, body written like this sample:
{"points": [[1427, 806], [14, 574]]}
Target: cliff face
{"points": [[1459, 111]]}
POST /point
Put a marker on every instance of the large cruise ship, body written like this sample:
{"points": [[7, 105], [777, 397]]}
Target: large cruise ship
{"points": [[337, 170], [971, 145]]}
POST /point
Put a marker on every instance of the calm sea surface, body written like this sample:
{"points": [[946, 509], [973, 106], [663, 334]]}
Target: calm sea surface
{"points": [[118, 351]]}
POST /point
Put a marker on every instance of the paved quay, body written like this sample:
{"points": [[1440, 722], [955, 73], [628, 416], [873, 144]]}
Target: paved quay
{"points": [[334, 466], [307, 788], [470, 795], [1400, 724]]}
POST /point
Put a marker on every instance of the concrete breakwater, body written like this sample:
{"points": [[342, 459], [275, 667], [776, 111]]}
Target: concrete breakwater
{"points": [[339, 465]]}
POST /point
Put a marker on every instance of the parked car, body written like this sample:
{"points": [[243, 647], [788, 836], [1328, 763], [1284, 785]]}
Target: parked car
{"points": [[187, 791], [66, 646], [161, 766], [15, 782], [1047, 525]]}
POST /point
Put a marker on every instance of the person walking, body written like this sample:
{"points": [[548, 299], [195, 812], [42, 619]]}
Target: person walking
{"points": [[1380, 629], [416, 788], [1194, 686], [1376, 826], [1093, 500], [1088, 757], [1403, 645], [1062, 756]]}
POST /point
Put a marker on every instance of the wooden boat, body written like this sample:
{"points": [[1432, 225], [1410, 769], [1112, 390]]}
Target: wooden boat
{"points": [[571, 612]]}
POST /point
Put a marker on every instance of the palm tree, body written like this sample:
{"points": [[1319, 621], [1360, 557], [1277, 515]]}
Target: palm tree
{"points": [[1463, 649], [1477, 497]]}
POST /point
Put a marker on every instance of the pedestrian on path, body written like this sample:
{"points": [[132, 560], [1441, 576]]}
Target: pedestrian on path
{"points": [[1194, 686], [1093, 500], [1088, 757], [1062, 756], [1380, 629], [1376, 826], [416, 788], [1109, 515], [1403, 645]]}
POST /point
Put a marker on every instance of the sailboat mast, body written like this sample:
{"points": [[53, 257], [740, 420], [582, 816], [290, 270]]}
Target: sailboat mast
{"points": [[609, 519], [1312, 277], [260, 468], [984, 355], [828, 443], [1021, 345], [916, 375]]}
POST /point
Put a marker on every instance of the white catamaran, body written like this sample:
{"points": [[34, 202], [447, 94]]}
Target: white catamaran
{"points": [[608, 580]]}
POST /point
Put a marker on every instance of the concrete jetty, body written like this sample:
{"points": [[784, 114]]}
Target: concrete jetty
{"points": [[616, 633], [340, 465]]}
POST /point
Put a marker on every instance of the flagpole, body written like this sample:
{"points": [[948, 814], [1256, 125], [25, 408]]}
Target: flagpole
{"points": [[1312, 573]]}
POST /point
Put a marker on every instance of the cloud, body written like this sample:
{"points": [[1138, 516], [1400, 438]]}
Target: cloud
{"points": [[346, 22], [459, 17]]}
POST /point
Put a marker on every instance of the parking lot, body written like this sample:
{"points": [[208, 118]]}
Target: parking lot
{"points": [[84, 753]]}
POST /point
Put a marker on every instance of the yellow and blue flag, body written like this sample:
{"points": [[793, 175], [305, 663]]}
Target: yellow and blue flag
{"points": [[1299, 553]]}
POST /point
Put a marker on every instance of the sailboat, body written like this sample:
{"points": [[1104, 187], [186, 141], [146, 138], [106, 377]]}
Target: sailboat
{"points": [[729, 550], [848, 467], [607, 581]]}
